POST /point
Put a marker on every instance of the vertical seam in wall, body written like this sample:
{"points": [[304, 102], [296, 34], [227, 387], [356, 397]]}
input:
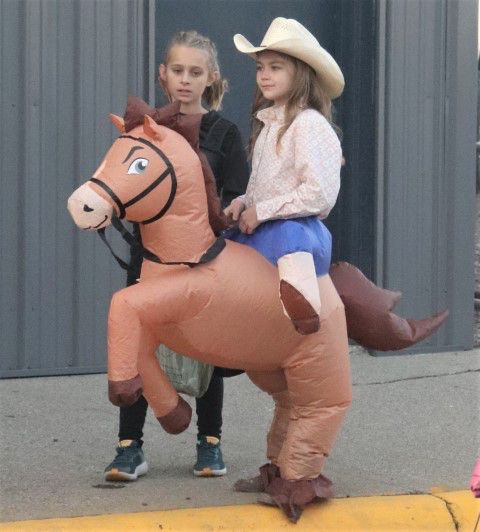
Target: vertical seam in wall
{"points": [[443, 160], [381, 102], [21, 278], [76, 162], [152, 67]]}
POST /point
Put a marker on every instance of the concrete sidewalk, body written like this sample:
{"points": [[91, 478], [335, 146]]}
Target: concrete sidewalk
{"points": [[412, 429]]}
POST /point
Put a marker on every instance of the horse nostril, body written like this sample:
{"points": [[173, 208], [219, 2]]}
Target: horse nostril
{"points": [[86, 208]]}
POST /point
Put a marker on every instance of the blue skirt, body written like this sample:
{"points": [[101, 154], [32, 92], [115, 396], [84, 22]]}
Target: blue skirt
{"points": [[276, 238]]}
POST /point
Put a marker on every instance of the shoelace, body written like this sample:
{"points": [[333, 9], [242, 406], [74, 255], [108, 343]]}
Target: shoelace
{"points": [[210, 449], [122, 455]]}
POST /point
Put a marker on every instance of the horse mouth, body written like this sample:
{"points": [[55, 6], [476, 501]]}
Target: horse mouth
{"points": [[98, 225]]}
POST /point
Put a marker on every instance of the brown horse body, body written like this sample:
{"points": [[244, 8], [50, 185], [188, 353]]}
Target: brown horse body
{"points": [[226, 312]]}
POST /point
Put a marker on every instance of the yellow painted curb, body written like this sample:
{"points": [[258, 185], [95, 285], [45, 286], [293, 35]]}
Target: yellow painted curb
{"points": [[465, 510], [448, 511]]}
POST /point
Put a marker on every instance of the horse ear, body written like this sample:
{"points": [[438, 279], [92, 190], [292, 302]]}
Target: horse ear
{"points": [[118, 122], [152, 129]]}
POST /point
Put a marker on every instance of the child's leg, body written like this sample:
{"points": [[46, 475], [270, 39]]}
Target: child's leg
{"points": [[129, 462], [209, 408], [132, 420], [299, 291], [320, 392], [209, 422], [275, 384]]}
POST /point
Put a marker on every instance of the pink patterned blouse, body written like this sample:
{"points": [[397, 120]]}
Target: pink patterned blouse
{"points": [[303, 177]]}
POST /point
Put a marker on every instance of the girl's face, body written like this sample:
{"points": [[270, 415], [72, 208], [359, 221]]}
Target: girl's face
{"points": [[186, 75], [275, 75]]}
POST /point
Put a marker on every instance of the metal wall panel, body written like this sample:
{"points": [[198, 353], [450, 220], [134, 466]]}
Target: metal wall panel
{"points": [[63, 67], [426, 185]]}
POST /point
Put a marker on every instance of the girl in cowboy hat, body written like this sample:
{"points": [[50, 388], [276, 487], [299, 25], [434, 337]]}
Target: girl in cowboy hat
{"points": [[296, 161]]}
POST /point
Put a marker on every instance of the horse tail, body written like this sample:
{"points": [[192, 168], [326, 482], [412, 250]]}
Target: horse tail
{"points": [[368, 309]]}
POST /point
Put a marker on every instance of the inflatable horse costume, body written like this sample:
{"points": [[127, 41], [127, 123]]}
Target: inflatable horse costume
{"points": [[217, 301]]}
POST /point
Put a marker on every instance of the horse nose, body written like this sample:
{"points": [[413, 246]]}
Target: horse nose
{"points": [[86, 208]]}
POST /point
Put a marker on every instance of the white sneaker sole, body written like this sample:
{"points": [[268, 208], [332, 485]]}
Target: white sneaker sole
{"points": [[115, 474], [207, 472]]}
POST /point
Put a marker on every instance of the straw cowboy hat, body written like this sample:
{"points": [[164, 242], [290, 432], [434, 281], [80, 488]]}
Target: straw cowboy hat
{"points": [[288, 36]]}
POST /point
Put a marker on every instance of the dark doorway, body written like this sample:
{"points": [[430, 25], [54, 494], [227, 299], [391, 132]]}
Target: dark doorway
{"points": [[346, 29]]}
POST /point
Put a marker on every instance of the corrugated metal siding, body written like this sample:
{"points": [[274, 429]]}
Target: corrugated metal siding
{"points": [[428, 188], [63, 67]]}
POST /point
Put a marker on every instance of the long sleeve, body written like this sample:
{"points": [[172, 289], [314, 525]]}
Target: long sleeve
{"points": [[234, 169], [317, 158]]}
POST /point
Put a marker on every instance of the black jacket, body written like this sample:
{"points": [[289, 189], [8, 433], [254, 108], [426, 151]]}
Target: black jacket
{"points": [[221, 142]]}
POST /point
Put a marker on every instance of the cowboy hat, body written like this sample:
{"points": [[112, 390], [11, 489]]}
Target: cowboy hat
{"points": [[288, 36]]}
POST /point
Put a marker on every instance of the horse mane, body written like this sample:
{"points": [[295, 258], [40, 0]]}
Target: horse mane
{"points": [[189, 127]]}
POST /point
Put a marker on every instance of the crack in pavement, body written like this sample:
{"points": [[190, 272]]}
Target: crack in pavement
{"points": [[417, 378], [448, 505]]}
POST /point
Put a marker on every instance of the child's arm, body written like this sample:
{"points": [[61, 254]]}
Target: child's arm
{"points": [[318, 157], [236, 207]]}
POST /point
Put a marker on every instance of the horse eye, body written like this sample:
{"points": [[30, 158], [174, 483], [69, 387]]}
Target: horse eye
{"points": [[138, 166]]}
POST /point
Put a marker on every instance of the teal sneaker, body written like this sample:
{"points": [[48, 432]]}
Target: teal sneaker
{"points": [[209, 458], [129, 463]]}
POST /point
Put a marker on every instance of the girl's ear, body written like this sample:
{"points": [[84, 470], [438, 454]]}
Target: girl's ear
{"points": [[213, 77], [162, 73], [162, 78]]}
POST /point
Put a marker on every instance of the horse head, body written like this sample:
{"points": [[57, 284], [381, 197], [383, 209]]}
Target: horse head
{"points": [[137, 179], [151, 175]]}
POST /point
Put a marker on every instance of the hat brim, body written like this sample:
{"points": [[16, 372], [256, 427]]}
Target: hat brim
{"points": [[317, 57]]}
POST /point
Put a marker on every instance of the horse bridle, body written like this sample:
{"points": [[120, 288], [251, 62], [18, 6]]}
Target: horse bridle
{"points": [[131, 240], [169, 171]]}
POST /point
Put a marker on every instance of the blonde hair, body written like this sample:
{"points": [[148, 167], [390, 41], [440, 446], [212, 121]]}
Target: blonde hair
{"points": [[213, 95], [307, 93]]}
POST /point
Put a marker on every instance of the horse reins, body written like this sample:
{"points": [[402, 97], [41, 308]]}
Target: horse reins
{"points": [[133, 242], [130, 239]]}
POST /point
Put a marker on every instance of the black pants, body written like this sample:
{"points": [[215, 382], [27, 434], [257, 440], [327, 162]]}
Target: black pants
{"points": [[209, 413]]}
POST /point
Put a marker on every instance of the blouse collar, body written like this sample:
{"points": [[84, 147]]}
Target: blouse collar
{"points": [[272, 114]]}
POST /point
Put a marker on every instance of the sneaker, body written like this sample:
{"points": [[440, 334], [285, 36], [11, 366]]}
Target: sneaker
{"points": [[209, 458], [129, 463]]}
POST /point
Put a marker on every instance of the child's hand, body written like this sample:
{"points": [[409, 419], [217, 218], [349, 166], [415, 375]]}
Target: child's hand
{"points": [[234, 210], [248, 221]]}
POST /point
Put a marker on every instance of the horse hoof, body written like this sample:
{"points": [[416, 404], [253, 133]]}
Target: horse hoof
{"points": [[265, 498], [125, 393], [250, 485], [178, 419], [293, 495]]}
